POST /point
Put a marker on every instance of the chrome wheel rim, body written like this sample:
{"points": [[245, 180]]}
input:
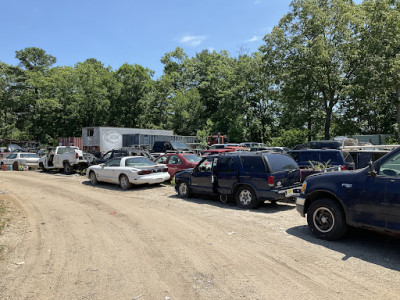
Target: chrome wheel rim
{"points": [[245, 197], [92, 177], [323, 219], [124, 182], [183, 189]]}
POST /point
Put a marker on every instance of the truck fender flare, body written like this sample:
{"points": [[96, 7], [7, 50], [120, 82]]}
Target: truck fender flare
{"points": [[318, 194]]}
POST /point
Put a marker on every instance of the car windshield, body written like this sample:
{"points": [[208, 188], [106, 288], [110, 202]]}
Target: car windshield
{"points": [[66, 150], [193, 158], [139, 161], [179, 145]]}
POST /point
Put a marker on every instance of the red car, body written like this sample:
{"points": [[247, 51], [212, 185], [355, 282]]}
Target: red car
{"points": [[227, 149], [178, 161]]}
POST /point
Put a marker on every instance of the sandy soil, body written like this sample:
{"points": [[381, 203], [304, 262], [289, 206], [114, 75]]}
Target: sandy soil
{"points": [[69, 240]]}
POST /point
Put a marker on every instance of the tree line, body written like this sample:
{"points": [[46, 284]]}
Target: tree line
{"points": [[330, 67]]}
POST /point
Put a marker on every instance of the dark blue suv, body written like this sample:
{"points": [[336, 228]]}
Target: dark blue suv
{"points": [[368, 198], [250, 177]]}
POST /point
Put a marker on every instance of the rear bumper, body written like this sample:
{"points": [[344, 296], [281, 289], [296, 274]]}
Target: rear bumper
{"points": [[288, 193], [151, 179]]}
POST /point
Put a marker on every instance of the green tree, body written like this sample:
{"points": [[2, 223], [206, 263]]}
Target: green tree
{"points": [[317, 45]]}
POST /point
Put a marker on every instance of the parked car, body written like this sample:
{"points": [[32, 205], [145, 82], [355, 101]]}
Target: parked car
{"points": [[328, 158], [367, 198], [250, 177], [222, 146], [325, 144], [127, 171], [21, 158], [65, 158], [178, 161], [272, 149], [163, 147], [121, 153], [252, 144]]}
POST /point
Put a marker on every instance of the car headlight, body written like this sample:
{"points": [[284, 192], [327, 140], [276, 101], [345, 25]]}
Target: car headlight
{"points": [[303, 187]]}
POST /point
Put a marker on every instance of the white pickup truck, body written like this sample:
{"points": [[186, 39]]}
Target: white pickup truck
{"points": [[64, 158]]}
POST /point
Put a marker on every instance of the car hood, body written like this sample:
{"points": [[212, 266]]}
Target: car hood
{"points": [[184, 172]]}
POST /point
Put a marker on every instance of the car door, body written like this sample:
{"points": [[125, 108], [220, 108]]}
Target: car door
{"points": [[108, 171], [389, 204], [227, 174], [201, 177], [174, 164]]}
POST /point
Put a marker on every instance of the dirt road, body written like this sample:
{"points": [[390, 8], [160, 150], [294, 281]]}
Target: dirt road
{"points": [[70, 240]]}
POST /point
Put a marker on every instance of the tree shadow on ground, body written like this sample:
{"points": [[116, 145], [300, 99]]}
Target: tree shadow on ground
{"points": [[265, 207], [366, 245]]}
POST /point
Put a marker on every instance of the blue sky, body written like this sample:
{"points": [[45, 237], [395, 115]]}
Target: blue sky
{"points": [[141, 32]]}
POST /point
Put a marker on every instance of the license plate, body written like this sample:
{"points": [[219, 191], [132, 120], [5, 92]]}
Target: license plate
{"points": [[289, 192]]}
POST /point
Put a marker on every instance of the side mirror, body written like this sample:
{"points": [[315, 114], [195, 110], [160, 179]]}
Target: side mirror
{"points": [[102, 166], [372, 170]]}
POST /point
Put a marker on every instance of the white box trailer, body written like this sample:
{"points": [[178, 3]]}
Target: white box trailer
{"points": [[103, 139]]}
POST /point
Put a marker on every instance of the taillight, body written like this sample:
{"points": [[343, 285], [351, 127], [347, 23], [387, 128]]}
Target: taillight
{"points": [[271, 180], [76, 155], [145, 172], [343, 168]]}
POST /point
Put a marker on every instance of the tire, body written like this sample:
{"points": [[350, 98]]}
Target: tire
{"points": [[93, 178], [15, 166], [246, 198], [184, 190], [124, 182], [326, 220], [67, 168]]}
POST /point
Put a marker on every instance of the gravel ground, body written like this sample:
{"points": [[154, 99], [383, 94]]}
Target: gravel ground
{"points": [[67, 239]]}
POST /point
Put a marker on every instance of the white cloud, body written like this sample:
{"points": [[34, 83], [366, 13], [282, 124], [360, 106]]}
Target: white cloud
{"points": [[255, 38], [192, 40]]}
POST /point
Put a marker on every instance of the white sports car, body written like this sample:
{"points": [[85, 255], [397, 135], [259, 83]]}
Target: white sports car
{"points": [[128, 170]]}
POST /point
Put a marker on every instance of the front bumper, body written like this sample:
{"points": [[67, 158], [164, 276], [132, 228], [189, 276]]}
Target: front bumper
{"points": [[300, 204]]}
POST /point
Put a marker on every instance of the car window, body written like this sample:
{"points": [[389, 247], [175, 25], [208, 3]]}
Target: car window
{"points": [[12, 156], [391, 167], [107, 155], [253, 164], [174, 160], [66, 150], [113, 163], [192, 158], [119, 153], [331, 157], [347, 157], [139, 161], [161, 159], [280, 162], [307, 156], [29, 155], [226, 164], [206, 165]]}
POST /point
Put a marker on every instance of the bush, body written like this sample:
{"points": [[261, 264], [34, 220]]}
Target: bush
{"points": [[290, 138]]}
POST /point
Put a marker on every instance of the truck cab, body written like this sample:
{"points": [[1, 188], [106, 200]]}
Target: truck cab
{"points": [[367, 198]]}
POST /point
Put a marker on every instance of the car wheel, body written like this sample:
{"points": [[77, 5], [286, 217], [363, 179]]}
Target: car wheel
{"points": [[15, 166], [326, 219], [93, 178], [124, 182], [67, 168], [184, 190], [246, 198]]}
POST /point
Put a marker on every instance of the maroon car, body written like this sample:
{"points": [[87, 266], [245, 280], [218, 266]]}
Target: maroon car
{"points": [[178, 161]]}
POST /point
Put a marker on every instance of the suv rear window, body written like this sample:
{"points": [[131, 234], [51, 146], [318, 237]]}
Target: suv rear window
{"points": [[280, 162], [253, 164], [332, 157]]}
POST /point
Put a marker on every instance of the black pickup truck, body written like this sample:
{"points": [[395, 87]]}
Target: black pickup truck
{"points": [[368, 198], [250, 177]]}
